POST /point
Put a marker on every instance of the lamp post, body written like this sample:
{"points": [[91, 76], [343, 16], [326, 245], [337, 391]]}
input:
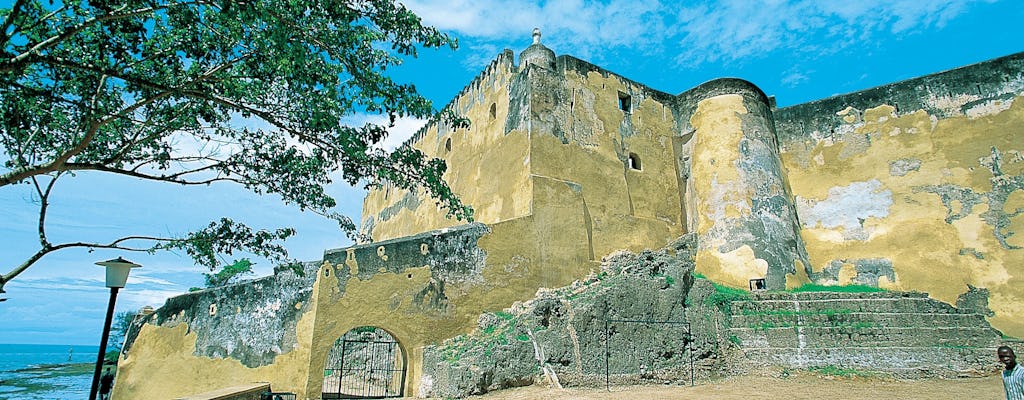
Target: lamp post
{"points": [[117, 275]]}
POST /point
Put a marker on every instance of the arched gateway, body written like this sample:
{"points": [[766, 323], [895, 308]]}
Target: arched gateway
{"points": [[365, 363]]}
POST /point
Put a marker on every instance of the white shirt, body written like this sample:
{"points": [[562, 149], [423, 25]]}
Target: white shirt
{"points": [[1013, 383]]}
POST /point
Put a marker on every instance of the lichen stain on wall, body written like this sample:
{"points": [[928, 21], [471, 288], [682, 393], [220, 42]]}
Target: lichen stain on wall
{"points": [[939, 233], [847, 209]]}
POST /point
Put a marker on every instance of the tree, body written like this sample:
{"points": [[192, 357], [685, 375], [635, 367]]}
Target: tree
{"points": [[167, 90], [229, 274], [122, 323]]}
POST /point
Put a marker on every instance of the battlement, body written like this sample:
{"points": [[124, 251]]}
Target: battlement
{"points": [[505, 60]]}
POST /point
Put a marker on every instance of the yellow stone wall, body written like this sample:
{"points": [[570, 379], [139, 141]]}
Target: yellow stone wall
{"points": [[874, 190], [162, 365], [491, 170], [626, 208], [487, 167], [719, 192]]}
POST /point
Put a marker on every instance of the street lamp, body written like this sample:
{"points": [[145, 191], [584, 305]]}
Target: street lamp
{"points": [[117, 275]]}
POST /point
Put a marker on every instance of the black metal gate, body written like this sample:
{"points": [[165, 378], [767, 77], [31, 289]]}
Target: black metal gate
{"points": [[364, 368]]}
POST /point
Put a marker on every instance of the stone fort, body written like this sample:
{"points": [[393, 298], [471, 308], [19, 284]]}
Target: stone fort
{"points": [[912, 186]]}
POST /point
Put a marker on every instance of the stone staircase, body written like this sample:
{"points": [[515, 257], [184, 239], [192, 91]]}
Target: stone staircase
{"points": [[903, 334]]}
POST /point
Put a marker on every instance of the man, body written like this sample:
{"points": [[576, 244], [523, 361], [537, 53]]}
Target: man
{"points": [[106, 382], [1013, 375]]}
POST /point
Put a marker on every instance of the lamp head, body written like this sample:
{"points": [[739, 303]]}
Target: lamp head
{"points": [[117, 271]]}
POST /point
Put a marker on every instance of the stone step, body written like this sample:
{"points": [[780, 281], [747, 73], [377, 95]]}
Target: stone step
{"points": [[916, 359], [761, 296], [845, 305], [831, 318], [864, 336]]}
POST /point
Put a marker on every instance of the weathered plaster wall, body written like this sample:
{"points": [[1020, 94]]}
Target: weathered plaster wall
{"points": [[255, 331], [488, 165], [581, 134], [917, 185], [743, 212]]}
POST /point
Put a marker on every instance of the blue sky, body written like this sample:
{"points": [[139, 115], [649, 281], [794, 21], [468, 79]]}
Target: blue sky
{"points": [[795, 50]]}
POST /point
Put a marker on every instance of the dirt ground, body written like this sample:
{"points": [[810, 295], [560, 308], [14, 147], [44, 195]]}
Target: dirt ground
{"points": [[793, 387]]}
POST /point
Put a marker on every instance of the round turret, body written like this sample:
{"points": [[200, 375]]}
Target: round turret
{"points": [[537, 54]]}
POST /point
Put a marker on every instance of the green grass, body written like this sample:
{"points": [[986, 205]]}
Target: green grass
{"points": [[832, 370], [668, 279], [812, 287], [724, 295], [484, 341]]}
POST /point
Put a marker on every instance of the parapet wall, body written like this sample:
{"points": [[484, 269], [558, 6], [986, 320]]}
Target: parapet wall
{"points": [[247, 332], [449, 253], [263, 311], [468, 96], [963, 91]]}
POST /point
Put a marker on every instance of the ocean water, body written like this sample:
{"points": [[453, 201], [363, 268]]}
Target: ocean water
{"points": [[44, 384]]}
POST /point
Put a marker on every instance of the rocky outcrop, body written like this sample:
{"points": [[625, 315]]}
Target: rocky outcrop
{"points": [[634, 310]]}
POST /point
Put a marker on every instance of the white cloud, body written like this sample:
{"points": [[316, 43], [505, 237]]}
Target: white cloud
{"points": [[403, 130], [714, 31], [582, 28], [795, 76]]}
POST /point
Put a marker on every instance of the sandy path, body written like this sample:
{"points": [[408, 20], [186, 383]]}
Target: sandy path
{"points": [[794, 387]]}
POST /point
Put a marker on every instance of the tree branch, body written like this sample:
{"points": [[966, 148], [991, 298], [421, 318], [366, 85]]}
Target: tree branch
{"points": [[44, 204], [54, 40], [15, 10], [116, 245], [173, 178], [18, 174]]}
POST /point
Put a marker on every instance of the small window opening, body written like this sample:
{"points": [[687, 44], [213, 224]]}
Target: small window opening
{"points": [[634, 161], [625, 102], [448, 144], [494, 111], [757, 285]]}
